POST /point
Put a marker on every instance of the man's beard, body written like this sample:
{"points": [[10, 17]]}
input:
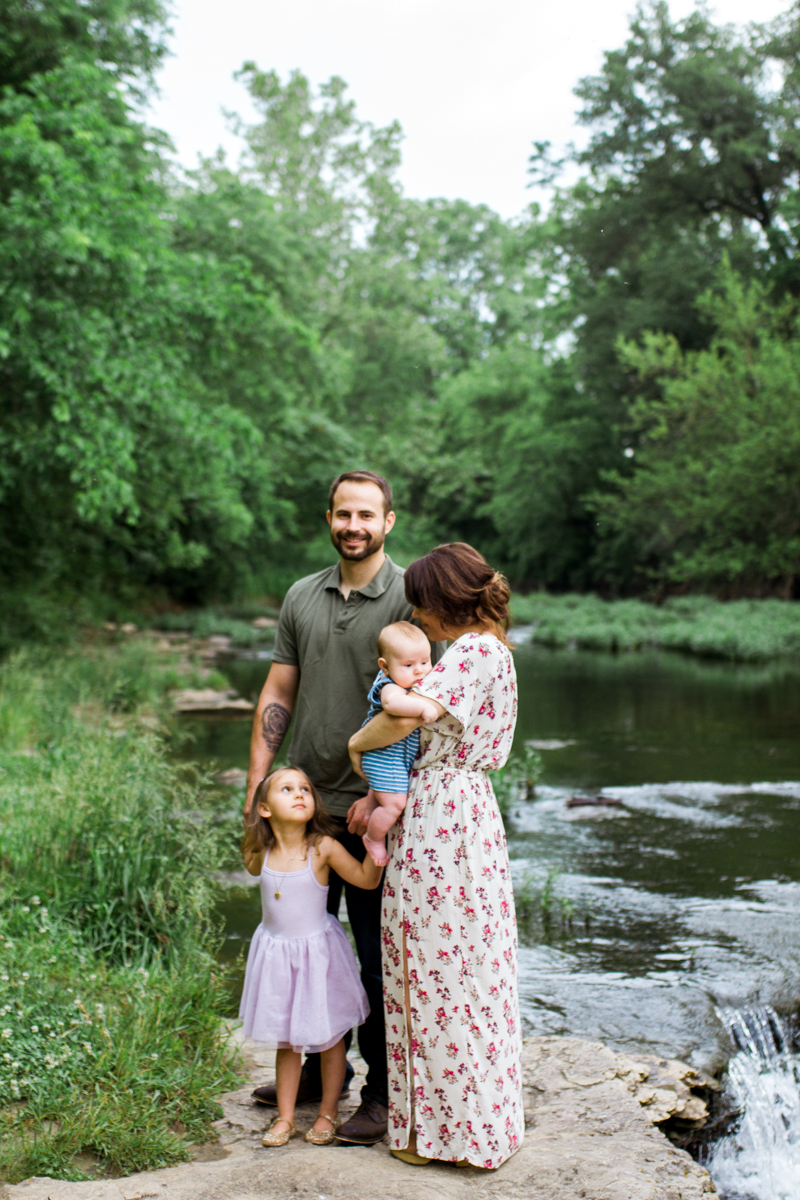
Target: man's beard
{"points": [[370, 545]]}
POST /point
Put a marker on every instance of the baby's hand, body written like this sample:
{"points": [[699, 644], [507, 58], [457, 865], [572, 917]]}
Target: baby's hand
{"points": [[429, 712]]}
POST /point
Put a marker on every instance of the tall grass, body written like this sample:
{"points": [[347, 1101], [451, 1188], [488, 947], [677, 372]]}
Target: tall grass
{"points": [[111, 1046], [733, 629], [516, 781]]}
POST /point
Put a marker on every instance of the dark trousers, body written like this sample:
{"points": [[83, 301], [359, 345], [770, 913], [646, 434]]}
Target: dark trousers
{"points": [[364, 914]]}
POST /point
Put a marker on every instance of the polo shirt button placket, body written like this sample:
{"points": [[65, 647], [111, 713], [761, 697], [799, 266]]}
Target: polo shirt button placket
{"points": [[347, 612]]}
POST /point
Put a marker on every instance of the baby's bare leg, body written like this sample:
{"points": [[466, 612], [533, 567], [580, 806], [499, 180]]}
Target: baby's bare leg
{"points": [[390, 806]]}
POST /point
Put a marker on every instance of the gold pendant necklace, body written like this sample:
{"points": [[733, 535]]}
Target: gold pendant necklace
{"points": [[277, 892]]}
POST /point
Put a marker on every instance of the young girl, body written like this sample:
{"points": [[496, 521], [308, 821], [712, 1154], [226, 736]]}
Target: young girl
{"points": [[301, 989]]}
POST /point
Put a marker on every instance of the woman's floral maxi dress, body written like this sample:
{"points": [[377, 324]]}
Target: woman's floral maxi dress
{"points": [[448, 888]]}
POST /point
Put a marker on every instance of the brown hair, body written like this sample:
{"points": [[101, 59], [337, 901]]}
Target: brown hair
{"points": [[363, 477], [258, 834], [456, 582], [397, 630]]}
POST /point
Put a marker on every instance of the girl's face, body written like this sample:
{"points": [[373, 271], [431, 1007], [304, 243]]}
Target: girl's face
{"points": [[290, 799]]}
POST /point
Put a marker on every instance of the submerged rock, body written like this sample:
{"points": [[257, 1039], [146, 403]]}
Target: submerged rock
{"points": [[235, 777], [209, 700]]}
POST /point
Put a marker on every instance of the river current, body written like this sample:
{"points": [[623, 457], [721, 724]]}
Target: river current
{"points": [[645, 919]]}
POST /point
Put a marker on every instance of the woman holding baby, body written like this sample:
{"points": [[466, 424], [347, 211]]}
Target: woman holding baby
{"points": [[449, 931]]}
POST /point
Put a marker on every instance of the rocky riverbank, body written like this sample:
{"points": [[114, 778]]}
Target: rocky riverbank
{"points": [[592, 1120]]}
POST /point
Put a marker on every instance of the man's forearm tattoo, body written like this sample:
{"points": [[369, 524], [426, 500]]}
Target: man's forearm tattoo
{"points": [[274, 723]]}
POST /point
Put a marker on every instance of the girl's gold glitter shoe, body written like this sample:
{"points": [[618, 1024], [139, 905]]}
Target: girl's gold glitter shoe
{"points": [[322, 1137], [279, 1137]]}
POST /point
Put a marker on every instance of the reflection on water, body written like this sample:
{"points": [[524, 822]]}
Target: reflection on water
{"points": [[638, 922]]}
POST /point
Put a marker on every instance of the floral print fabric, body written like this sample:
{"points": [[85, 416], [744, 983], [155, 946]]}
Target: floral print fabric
{"points": [[447, 897]]}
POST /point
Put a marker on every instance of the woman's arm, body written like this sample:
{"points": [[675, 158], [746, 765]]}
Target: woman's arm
{"points": [[384, 730], [381, 731]]}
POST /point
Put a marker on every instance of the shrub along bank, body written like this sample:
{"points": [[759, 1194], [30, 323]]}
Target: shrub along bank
{"points": [[111, 1046], [735, 629]]}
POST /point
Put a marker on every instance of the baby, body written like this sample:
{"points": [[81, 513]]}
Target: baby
{"points": [[405, 659]]}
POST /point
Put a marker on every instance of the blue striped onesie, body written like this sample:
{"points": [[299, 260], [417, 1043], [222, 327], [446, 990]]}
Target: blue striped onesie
{"points": [[387, 769]]}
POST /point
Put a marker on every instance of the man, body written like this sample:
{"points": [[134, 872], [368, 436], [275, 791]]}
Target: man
{"points": [[324, 661]]}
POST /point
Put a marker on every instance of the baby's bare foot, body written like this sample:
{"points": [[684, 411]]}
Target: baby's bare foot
{"points": [[376, 851]]}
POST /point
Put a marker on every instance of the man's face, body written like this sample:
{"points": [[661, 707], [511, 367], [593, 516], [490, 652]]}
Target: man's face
{"points": [[357, 520]]}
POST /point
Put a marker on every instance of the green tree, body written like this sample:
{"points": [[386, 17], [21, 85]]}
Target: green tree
{"points": [[122, 458], [714, 497], [692, 155], [126, 37]]}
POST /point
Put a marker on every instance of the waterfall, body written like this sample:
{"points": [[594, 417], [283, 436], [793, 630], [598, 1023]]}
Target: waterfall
{"points": [[760, 1160]]}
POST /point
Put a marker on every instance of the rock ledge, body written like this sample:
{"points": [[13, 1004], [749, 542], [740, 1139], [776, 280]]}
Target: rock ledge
{"points": [[590, 1134]]}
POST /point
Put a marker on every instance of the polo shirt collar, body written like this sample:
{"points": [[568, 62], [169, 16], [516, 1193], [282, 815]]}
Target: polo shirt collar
{"points": [[374, 588]]}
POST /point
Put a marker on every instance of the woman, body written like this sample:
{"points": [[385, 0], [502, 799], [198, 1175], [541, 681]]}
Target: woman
{"points": [[449, 930]]}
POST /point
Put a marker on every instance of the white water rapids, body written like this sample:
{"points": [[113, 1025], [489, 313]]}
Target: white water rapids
{"points": [[760, 1160]]}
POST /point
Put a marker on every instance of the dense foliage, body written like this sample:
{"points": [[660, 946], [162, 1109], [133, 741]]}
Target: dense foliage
{"points": [[111, 1042], [600, 395]]}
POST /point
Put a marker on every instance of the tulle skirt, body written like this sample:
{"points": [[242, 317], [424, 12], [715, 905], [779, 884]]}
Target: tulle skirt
{"points": [[302, 993]]}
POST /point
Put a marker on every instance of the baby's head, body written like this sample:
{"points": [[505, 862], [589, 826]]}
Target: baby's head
{"points": [[405, 653], [289, 797]]}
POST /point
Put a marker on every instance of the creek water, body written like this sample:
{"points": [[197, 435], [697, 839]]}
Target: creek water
{"points": [[648, 920]]}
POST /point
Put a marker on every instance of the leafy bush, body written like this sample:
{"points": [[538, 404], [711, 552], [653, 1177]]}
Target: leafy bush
{"points": [[737, 629]]}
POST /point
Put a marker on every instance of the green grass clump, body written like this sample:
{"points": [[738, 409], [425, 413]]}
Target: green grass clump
{"points": [[747, 630], [104, 1062], [516, 781], [111, 1043]]}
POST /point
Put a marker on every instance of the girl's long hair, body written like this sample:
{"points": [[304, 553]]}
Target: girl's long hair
{"points": [[456, 582], [258, 834]]}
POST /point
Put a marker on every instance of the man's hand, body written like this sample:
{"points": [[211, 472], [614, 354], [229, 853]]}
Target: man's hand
{"points": [[359, 813], [355, 759]]}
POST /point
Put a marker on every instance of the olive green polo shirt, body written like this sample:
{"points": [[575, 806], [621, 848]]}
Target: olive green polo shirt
{"points": [[334, 642]]}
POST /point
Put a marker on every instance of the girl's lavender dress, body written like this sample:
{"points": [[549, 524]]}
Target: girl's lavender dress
{"points": [[302, 989]]}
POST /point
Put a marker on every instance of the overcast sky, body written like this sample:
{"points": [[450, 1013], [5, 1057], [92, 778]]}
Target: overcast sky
{"points": [[472, 84]]}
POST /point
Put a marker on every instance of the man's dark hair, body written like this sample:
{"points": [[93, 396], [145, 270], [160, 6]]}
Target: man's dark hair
{"points": [[363, 477]]}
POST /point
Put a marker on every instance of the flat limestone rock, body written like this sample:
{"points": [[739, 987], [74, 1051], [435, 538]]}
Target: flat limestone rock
{"points": [[209, 700], [588, 1135]]}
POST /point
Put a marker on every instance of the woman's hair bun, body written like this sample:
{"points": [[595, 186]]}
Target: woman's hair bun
{"points": [[495, 597], [456, 582]]}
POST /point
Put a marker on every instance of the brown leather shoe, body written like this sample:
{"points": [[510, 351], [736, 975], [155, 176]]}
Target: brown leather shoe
{"points": [[367, 1125], [306, 1093]]}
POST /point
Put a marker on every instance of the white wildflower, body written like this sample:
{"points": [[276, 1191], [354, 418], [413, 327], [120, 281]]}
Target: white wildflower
{"points": [[35, 900], [6, 1033]]}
